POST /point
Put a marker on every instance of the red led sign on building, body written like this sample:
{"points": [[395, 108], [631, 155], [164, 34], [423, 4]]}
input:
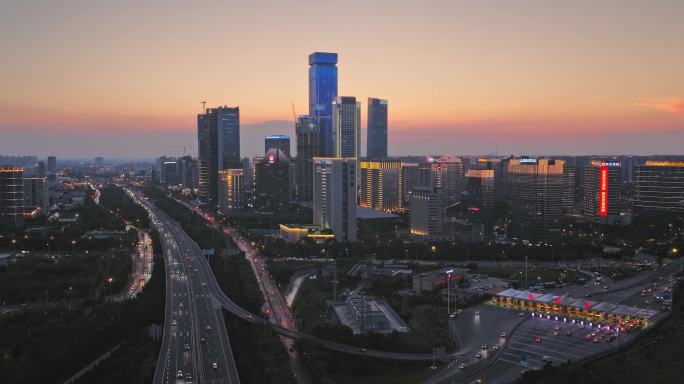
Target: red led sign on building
{"points": [[603, 192]]}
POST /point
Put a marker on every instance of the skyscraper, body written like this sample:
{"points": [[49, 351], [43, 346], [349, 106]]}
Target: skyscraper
{"points": [[347, 126], [187, 166], [281, 142], [447, 175], [231, 190], [35, 195], [272, 181], [307, 148], [322, 93], [602, 191], [480, 187], [536, 198], [11, 197], [382, 185], [218, 136], [377, 129], [659, 187], [52, 170], [426, 211], [334, 197]]}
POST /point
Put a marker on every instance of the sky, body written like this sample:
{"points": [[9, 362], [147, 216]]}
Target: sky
{"points": [[125, 78]]}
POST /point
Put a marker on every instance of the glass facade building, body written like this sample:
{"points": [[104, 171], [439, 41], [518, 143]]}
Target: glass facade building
{"points": [[322, 93], [377, 129]]}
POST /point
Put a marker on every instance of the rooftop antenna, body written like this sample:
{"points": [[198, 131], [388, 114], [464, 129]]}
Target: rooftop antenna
{"points": [[294, 115], [204, 107]]}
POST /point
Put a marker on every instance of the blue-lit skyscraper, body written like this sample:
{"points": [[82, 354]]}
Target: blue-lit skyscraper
{"points": [[218, 136], [322, 93]]}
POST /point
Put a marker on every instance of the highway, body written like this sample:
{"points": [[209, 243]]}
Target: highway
{"points": [[195, 346]]}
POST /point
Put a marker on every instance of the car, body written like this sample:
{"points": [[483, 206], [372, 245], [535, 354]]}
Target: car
{"points": [[555, 333], [203, 340], [477, 313], [179, 374], [546, 358], [537, 339], [606, 287], [521, 314], [568, 333], [478, 355], [173, 322], [188, 376], [495, 348], [363, 349], [556, 328], [187, 347], [503, 335], [484, 346], [208, 327], [462, 366], [204, 284], [595, 340], [214, 365]]}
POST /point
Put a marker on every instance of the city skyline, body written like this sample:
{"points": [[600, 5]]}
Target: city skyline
{"points": [[530, 77]]}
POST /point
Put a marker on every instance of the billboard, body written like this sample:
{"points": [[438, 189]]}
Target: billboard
{"points": [[603, 191]]}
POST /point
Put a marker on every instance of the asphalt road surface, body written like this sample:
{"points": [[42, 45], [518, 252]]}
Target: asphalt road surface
{"points": [[195, 346]]}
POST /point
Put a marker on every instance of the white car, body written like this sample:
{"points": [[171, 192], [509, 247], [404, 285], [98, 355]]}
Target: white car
{"points": [[173, 322], [214, 365], [546, 358]]}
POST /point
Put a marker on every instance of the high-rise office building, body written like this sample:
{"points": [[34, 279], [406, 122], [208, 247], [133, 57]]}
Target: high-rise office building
{"points": [[382, 185], [35, 195], [377, 129], [447, 175], [41, 170], [307, 148], [322, 93], [281, 142], [536, 198], [334, 197], [409, 176], [99, 161], [169, 173], [187, 166], [603, 190], [231, 190], [481, 188], [659, 187], [499, 166], [52, 170], [425, 209], [218, 136], [347, 126], [569, 186], [272, 181], [11, 197]]}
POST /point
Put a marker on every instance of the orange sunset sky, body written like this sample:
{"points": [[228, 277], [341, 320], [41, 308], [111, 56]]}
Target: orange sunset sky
{"points": [[125, 78]]}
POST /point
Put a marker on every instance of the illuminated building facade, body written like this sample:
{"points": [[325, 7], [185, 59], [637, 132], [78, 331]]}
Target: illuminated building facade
{"points": [[334, 196], [281, 142], [382, 185], [536, 193], [426, 213], [322, 93], [659, 187], [231, 191], [272, 181], [602, 190], [307, 148], [377, 129], [11, 197]]}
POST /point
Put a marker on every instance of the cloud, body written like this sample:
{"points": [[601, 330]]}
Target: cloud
{"points": [[673, 105]]}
